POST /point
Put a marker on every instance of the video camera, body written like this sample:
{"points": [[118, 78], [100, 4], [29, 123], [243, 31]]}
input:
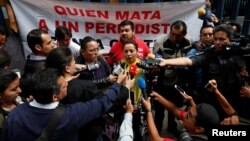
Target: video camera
{"points": [[241, 39], [148, 64]]}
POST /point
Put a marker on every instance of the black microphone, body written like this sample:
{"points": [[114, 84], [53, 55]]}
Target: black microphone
{"points": [[143, 65]]}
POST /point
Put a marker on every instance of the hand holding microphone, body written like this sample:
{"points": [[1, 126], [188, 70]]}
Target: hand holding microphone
{"points": [[89, 67]]}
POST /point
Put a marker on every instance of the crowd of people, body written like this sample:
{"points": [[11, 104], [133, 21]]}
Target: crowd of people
{"points": [[202, 84]]}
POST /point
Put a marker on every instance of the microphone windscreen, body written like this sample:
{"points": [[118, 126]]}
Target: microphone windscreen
{"points": [[133, 70], [150, 56], [141, 83]]}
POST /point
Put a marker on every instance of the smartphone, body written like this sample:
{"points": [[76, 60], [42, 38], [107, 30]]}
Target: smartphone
{"points": [[208, 86], [179, 89]]}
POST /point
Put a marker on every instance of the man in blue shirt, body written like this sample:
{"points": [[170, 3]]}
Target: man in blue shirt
{"points": [[28, 120]]}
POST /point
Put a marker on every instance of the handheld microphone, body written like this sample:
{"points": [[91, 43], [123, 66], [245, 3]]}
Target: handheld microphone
{"points": [[93, 66], [142, 85], [133, 70], [117, 70], [150, 56], [143, 65], [89, 67]]}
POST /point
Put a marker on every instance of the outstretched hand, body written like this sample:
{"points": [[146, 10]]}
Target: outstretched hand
{"points": [[146, 103], [129, 107]]}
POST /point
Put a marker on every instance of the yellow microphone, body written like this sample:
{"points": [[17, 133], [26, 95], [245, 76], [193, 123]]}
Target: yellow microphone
{"points": [[150, 56]]}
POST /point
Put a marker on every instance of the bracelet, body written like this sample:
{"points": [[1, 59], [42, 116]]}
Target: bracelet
{"points": [[149, 110], [233, 114]]}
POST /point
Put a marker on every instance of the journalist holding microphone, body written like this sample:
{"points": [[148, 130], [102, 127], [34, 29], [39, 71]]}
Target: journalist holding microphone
{"points": [[97, 67]]}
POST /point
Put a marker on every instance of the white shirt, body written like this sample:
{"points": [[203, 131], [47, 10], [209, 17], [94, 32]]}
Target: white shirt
{"points": [[126, 130], [75, 48]]}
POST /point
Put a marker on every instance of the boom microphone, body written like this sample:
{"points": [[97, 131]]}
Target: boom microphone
{"points": [[142, 85]]}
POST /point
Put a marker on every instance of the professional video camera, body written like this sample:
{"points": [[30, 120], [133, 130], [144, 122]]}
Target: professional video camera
{"points": [[243, 40]]}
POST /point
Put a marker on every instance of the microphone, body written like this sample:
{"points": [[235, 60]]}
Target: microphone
{"points": [[142, 85], [117, 69], [150, 56], [143, 65], [89, 67], [133, 70], [93, 66]]}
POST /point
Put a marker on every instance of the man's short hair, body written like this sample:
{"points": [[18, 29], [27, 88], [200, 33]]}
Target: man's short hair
{"points": [[128, 22], [35, 37], [44, 85], [206, 26], [225, 28], [179, 24]]}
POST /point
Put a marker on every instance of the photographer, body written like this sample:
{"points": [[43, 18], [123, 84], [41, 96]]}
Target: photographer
{"points": [[217, 63], [100, 71], [232, 116], [196, 120]]}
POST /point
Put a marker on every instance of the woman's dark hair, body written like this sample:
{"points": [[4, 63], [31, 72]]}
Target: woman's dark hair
{"points": [[59, 58], [85, 41], [131, 42], [6, 77], [5, 59], [61, 32]]}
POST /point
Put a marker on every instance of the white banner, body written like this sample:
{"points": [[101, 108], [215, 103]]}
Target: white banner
{"points": [[101, 20]]}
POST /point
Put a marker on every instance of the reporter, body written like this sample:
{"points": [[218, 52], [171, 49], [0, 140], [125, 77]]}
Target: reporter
{"points": [[152, 130], [196, 120], [63, 60], [232, 116], [49, 87], [126, 129]]}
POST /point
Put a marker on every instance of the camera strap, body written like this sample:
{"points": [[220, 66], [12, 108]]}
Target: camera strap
{"points": [[53, 122]]}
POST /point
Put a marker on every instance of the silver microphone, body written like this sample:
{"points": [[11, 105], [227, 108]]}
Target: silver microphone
{"points": [[93, 66]]}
